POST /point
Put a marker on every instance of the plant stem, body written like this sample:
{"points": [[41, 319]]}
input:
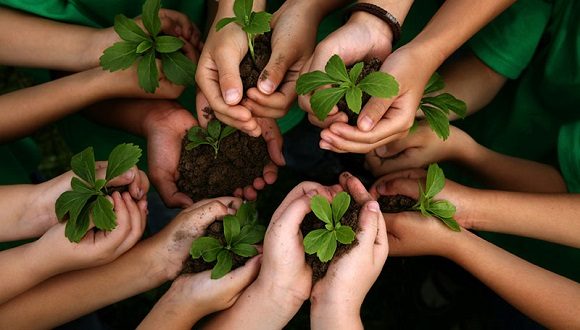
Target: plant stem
{"points": [[251, 46]]}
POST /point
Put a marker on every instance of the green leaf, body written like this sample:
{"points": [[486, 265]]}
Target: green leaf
{"points": [[327, 246], [103, 216], [178, 68], [354, 99], [147, 72], [225, 21], [196, 133], [310, 81], [83, 165], [336, 69], [243, 9], [223, 265], [340, 204], [313, 240], [245, 214], [324, 100], [128, 30], [231, 228], [120, 56], [379, 84], [71, 202], [76, 229], [434, 84], [151, 19], [345, 235], [355, 72], [435, 180], [208, 247], [438, 121], [121, 159], [447, 102], [168, 44], [442, 209], [259, 23], [321, 208], [144, 46], [99, 184], [80, 186], [451, 223], [195, 144], [214, 129], [251, 234], [227, 131], [244, 250]]}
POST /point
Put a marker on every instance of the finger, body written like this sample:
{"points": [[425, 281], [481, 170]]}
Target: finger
{"points": [[197, 219], [231, 202], [411, 174], [274, 140], [384, 132], [262, 110], [180, 23], [259, 183], [250, 193], [204, 111], [117, 235], [373, 112], [306, 188], [355, 188], [170, 194], [338, 143], [270, 173], [407, 187], [229, 77], [368, 224], [136, 221], [290, 220], [241, 277], [275, 71], [249, 127]]}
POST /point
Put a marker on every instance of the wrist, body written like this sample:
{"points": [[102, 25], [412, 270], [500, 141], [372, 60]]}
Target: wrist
{"points": [[167, 114], [280, 303], [380, 32], [343, 315]]}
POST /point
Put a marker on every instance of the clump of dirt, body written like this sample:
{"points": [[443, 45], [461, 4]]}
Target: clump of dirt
{"points": [[370, 66], [249, 70], [215, 230], [311, 222], [202, 174], [396, 203]]}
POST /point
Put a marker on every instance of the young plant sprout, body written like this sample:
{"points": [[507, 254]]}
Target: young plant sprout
{"points": [[344, 84], [251, 22], [240, 232], [87, 197], [211, 136], [440, 209], [146, 47], [323, 241], [436, 108]]}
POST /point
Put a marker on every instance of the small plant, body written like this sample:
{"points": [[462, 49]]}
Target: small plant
{"points": [[323, 242], [87, 198], [344, 84], [240, 232], [440, 209], [211, 136], [251, 22], [436, 108], [145, 47]]}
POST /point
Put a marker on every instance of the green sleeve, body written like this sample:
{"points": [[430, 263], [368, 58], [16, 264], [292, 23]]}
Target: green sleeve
{"points": [[569, 155], [508, 43]]}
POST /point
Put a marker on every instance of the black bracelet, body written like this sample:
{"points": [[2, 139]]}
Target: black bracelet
{"points": [[379, 12]]}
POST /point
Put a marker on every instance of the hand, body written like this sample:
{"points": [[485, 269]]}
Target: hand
{"points": [[97, 247], [421, 148]]}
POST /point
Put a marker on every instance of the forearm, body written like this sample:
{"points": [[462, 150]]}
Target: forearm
{"points": [[399, 9], [169, 313], [14, 201], [344, 316], [548, 298]]}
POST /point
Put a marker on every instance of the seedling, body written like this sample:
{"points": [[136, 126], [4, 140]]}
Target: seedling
{"points": [[344, 84], [87, 198], [145, 46], [323, 241], [251, 22], [440, 209], [240, 231], [436, 108], [211, 136]]}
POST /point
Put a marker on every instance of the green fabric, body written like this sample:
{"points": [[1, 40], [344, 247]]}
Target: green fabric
{"points": [[569, 155], [525, 118]]}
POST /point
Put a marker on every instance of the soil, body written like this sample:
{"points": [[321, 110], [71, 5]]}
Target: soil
{"points": [[240, 160], [311, 222], [396, 203], [215, 230], [250, 71], [370, 66]]}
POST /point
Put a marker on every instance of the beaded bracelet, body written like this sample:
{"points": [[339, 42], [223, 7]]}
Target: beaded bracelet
{"points": [[380, 13]]}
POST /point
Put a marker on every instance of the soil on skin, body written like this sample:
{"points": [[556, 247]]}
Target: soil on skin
{"points": [[250, 71], [311, 222], [370, 66], [240, 160], [215, 230], [396, 203]]}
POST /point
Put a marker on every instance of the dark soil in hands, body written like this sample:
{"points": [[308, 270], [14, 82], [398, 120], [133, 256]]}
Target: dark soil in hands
{"points": [[215, 230], [311, 222], [240, 160], [370, 66], [396, 203], [250, 71]]}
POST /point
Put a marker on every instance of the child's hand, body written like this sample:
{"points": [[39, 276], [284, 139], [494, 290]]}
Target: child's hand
{"points": [[419, 149], [97, 247]]}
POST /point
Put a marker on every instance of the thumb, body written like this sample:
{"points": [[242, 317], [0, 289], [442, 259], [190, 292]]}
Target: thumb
{"points": [[229, 78], [368, 222], [372, 112], [273, 137], [204, 111], [275, 71], [238, 279]]}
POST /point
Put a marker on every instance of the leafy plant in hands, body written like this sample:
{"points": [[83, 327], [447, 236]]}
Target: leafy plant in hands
{"points": [[88, 195], [324, 241], [344, 83], [240, 232], [251, 22], [440, 209], [145, 47], [437, 108], [211, 136]]}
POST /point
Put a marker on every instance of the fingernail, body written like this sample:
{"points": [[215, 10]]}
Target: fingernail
{"points": [[324, 145], [366, 124], [178, 30], [232, 96], [140, 193], [267, 86], [381, 151], [311, 193], [373, 206], [129, 175], [232, 211]]}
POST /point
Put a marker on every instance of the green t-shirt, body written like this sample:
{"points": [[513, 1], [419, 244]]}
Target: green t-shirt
{"points": [[569, 155], [537, 45]]}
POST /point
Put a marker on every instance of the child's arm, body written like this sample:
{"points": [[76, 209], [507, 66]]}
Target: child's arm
{"points": [[549, 299], [422, 147]]}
